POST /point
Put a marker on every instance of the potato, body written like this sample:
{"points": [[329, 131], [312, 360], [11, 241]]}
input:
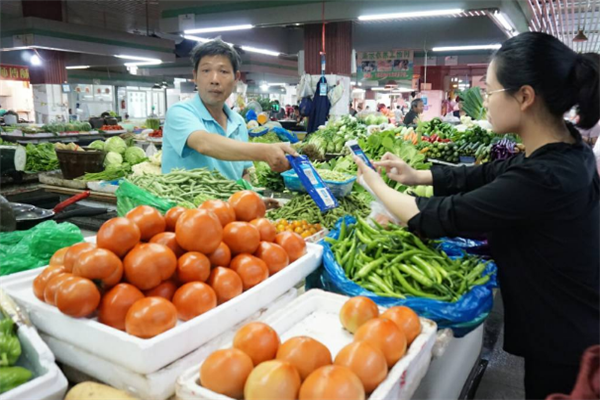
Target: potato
{"points": [[96, 391]]}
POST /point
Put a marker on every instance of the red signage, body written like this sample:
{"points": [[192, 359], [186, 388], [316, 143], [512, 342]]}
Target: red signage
{"points": [[14, 73]]}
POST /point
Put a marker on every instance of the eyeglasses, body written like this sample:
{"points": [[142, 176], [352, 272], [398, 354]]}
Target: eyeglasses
{"points": [[486, 95]]}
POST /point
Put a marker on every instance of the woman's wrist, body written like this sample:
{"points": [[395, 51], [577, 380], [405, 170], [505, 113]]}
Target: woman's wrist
{"points": [[424, 178]]}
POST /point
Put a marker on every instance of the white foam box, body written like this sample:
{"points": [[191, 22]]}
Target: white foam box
{"points": [[48, 382], [145, 356], [159, 385], [316, 314]]}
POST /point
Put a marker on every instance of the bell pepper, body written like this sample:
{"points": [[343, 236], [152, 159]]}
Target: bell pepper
{"points": [[10, 347], [11, 377]]}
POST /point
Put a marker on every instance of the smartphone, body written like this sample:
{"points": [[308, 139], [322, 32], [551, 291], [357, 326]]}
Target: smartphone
{"points": [[356, 150]]}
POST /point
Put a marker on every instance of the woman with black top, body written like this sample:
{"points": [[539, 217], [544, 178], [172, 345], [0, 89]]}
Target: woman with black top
{"points": [[539, 210]]}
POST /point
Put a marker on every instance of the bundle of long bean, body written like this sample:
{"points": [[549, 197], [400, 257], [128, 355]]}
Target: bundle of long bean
{"points": [[187, 186], [393, 262], [304, 208]]}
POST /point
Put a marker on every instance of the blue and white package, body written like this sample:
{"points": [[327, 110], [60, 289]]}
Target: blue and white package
{"points": [[316, 188]]}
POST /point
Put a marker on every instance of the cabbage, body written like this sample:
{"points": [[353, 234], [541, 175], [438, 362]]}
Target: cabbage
{"points": [[86, 126], [134, 155], [97, 144], [115, 144], [156, 158], [113, 158]]}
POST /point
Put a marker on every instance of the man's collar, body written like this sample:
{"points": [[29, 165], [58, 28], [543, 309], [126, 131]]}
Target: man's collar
{"points": [[205, 114]]}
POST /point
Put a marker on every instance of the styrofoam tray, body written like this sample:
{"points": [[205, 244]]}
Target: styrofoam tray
{"points": [[148, 355], [48, 383], [316, 314], [159, 385]]}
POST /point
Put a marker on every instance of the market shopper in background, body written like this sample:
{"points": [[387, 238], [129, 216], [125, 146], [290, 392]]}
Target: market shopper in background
{"points": [[204, 132], [416, 109], [398, 115], [539, 210]]}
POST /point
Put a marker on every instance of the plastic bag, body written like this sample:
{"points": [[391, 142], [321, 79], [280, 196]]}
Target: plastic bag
{"points": [[33, 248], [462, 316], [130, 196], [285, 135]]}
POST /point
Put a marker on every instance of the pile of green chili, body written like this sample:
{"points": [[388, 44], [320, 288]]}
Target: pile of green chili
{"points": [[393, 262]]}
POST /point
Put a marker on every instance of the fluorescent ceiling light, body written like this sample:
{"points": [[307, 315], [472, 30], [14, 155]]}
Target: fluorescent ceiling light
{"points": [[137, 58], [35, 60], [196, 38], [143, 64], [264, 87], [379, 89], [503, 21], [77, 67], [276, 84], [415, 14], [220, 29], [260, 51], [466, 48]]}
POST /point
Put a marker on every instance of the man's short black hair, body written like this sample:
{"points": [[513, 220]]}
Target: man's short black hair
{"points": [[296, 108], [415, 103], [216, 47]]}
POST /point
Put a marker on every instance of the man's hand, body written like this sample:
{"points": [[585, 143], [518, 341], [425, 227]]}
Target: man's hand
{"points": [[274, 155], [271, 203]]}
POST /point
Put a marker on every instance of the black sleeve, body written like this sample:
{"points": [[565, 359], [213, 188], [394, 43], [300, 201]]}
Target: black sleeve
{"points": [[453, 180], [409, 118], [515, 198]]}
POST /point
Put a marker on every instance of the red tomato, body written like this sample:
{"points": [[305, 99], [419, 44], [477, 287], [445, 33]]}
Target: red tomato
{"points": [[78, 297], [118, 235], [356, 311], [53, 285], [58, 258], [149, 220], [225, 372], [199, 230], [99, 265], [74, 253], [115, 304], [169, 240], [194, 299], [241, 237], [226, 283], [332, 382], [166, 290], [292, 243], [258, 340], [251, 269], [172, 216], [385, 335], [221, 257], [147, 265], [247, 205], [222, 210], [273, 255], [193, 266], [150, 316], [40, 281], [266, 228]]}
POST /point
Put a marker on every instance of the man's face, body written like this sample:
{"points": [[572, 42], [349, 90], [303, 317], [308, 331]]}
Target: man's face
{"points": [[420, 107], [215, 79]]}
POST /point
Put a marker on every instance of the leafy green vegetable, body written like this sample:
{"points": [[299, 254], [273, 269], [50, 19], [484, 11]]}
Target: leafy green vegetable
{"points": [[265, 177], [115, 144], [111, 173], [134, 155], [97, 144], [113, 159], [270, 137], [473, 103], [41, 157]]}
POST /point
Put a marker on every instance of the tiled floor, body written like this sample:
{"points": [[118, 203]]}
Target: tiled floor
{"points": [[503, 377]]}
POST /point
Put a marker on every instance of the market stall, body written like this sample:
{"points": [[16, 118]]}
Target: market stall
{"points": [[438, 280]]}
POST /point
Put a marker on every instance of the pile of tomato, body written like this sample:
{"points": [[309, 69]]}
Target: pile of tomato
{"points": [[111, 128], [258, 366], [147, 270], [302, 228]]}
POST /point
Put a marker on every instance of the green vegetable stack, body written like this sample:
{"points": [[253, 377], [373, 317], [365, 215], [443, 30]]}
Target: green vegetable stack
{"points": [[188, 188], [332, 138], [304, 208], [41, 157], [265, 177], [120, 158], [395, 263], [436, 126], [10, 350]]}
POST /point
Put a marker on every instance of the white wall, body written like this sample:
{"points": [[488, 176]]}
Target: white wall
{"points": [[17, 96]]}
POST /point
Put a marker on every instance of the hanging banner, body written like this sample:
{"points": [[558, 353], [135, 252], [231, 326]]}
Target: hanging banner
{"points": [[385, 65], [14, 73]]}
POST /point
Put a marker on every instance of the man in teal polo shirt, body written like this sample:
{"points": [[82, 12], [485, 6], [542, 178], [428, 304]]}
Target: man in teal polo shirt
{"points": [[204, 132]]}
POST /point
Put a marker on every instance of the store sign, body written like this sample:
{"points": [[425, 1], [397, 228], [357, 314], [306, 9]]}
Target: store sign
{"points": [[385, 65], [14, 73]]}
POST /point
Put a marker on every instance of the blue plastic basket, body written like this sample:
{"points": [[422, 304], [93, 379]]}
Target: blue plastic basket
{"points": [[338, 189]]}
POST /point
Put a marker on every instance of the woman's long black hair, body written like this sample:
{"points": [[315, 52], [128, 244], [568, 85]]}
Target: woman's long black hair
{"points": [[560, 76]]}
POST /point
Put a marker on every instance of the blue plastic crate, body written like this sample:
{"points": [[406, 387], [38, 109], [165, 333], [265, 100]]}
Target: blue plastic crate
{"points": [[338, 189]]}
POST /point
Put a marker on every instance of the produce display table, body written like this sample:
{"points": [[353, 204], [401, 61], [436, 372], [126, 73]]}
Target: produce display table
{"points": [[100, 196]]}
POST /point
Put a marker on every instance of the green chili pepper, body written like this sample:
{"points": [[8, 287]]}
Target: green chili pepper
{"points": [[11, 377], [416, 275], [417, 293]]}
